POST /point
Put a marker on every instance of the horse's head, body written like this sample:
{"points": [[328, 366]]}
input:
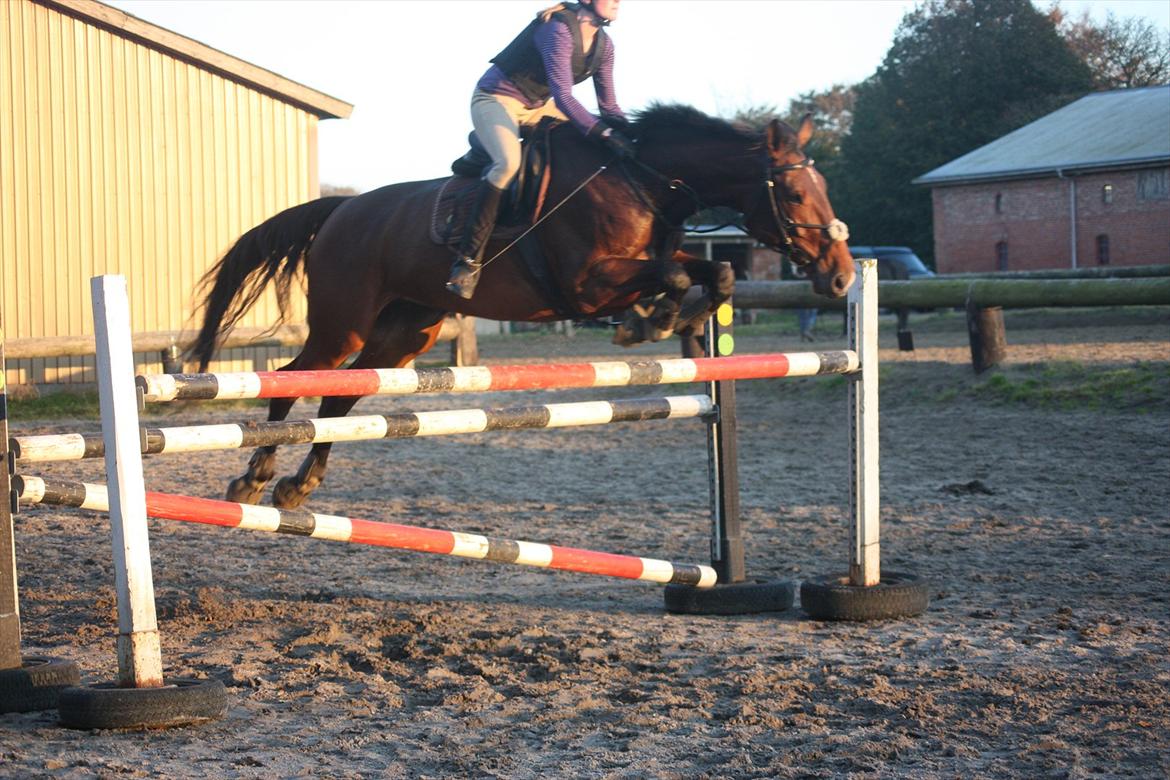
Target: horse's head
{"points": [[793, 214]]}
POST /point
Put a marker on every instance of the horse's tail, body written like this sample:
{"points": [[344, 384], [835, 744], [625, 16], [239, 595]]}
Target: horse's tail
{"points": [[273, 251]]}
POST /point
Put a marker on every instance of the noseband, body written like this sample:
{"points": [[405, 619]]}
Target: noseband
{"points": [[786, 227]]}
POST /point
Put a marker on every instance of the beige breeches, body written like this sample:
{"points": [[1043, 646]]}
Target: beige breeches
{"points": [[497, 120]]}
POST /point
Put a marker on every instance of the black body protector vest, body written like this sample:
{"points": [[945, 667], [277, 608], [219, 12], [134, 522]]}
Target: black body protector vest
{"points": [[521, 61]]}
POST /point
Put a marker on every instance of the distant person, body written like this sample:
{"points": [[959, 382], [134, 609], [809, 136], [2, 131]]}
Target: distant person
{"points": [[805, 318], [532, 78]]}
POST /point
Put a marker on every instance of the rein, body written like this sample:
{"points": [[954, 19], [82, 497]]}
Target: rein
{"points": [[547, 214], [785, 225]]}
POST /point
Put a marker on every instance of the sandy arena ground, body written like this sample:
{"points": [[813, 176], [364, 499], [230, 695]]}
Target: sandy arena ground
{"points": [[1045, 533]]}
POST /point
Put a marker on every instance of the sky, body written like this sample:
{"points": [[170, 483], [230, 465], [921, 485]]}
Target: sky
{"points": [[409, 66]]}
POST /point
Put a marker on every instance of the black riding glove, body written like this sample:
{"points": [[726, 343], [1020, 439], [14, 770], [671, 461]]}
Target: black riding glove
{"points": [[617, 143]]}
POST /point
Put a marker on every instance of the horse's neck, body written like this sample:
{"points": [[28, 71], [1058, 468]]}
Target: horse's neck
{"points": [[717, 173]]}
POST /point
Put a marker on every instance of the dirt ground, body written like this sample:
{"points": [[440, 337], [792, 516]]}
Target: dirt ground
{"points": [[1044, 530]]}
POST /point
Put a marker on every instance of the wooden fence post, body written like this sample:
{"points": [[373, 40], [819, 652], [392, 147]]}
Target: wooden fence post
{"points": [[986, 333]]}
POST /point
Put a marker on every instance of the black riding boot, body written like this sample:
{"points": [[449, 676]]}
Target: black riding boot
{"points": [[481, 220]]}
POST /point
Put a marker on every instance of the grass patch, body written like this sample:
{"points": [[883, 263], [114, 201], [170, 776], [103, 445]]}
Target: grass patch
{"points": [[84, 405], [54, 406], [1140, 387]]}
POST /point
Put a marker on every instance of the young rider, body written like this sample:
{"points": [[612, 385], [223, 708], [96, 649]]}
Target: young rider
{"points": [[533, 78]]}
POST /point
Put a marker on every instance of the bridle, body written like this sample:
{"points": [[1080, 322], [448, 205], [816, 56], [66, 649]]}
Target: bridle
{"points": [[786, 227]]}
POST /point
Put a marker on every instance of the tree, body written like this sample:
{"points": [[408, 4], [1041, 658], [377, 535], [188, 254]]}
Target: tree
{"points": [[832, 112], [1121, 53], [959, 74]]}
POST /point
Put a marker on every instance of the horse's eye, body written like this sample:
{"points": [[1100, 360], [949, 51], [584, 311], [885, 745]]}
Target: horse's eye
{"points": [[794, 197]]}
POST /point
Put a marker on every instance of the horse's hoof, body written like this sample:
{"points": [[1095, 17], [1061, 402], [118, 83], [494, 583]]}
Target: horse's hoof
{"points": [[623, 336], [288, 494], [660, 335], [244, 491]]}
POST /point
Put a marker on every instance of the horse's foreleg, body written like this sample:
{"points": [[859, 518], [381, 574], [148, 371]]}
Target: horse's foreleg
{"points": [[719, 282], [653, 289], [403, 332], [717, 277]]}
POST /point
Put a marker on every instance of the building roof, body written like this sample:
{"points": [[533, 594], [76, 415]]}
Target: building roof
{"points": [[120, 23], [1104, 130]]}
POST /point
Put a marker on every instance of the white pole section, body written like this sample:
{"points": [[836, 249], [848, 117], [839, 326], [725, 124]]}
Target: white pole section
{"points": [[865, 552], [139, 656]]}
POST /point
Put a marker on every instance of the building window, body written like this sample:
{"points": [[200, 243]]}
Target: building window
{"points": [[1107, 193], [1102, 249], [999, 203], [1001, 256], [1153, 185]]}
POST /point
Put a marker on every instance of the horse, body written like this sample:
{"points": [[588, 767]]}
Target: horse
{"points": [[375, 280]]}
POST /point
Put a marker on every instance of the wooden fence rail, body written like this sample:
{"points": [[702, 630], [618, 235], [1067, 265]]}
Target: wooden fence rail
{"points": [[943, 292], [459, 330]]}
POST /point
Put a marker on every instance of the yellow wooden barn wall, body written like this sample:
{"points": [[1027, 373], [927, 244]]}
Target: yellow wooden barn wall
{"points": [[117, 158]]}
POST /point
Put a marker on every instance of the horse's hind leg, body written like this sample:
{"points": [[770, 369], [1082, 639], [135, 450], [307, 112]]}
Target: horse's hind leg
{"points": [[247, 488], [326, 347], [402, 332]]}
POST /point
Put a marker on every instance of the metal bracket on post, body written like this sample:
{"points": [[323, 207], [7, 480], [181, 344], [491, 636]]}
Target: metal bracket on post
{"points": [[727, 553], [865, 546], [139, 654]]}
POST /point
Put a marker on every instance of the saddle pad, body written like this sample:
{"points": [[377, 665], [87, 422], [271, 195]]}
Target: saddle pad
{"points": [[449, 216]]}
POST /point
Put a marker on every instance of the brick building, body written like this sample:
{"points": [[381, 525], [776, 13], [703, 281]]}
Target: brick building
{"points": [[1086, 185]]}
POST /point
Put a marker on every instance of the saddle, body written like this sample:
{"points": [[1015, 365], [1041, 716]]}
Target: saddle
{"points": [[523, 200]]}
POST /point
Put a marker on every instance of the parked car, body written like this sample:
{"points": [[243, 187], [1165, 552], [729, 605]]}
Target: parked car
{"points": [[894, 262]]}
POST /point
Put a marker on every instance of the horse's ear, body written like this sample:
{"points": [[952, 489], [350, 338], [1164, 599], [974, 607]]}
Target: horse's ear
{"points": [[775, 136], [805, 131]]}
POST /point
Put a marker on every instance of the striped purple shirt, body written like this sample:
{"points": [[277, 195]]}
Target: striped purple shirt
{"points": [[554, 41]]}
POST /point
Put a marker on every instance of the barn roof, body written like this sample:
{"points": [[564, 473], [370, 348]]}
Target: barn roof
{"points": [[155, 37], [1123, 128]]}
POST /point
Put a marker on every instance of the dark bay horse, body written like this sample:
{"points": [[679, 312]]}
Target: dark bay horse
{"points": [[375, 279]]}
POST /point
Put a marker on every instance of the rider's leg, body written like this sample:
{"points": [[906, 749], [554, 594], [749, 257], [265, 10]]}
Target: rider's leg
{"points": [[468, 262], [497, 124]]}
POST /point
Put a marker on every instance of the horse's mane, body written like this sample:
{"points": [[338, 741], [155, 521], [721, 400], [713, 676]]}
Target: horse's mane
{"points": [[661, 121]]}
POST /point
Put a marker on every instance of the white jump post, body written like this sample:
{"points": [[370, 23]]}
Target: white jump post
{"points": [[865, 547], [139, 655]]}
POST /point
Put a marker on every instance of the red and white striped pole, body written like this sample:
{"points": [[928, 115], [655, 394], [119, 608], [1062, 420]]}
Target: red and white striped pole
{"points": [[165, 506]]}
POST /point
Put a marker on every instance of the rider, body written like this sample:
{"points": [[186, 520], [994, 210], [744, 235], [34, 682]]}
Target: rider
{"points": [[530, 79]]}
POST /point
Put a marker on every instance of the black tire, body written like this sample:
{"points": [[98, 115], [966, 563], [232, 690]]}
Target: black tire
{"points": [[37, 684], [833, 598], [736, 598], [178, 703]]}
